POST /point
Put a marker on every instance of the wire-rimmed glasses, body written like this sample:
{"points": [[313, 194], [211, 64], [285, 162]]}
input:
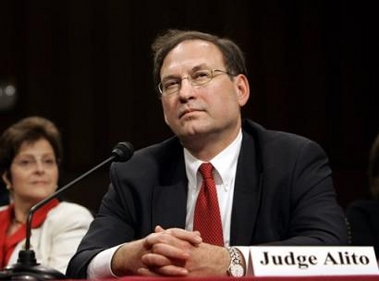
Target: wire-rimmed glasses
{"points": [[201, 77]]}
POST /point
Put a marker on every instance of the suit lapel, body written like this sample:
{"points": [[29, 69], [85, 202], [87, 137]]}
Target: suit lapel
{"points": [[170, 199], [247, 193], [169, 205]]}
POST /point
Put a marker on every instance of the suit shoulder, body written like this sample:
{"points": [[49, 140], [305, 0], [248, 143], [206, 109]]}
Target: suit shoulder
{"points": [[272, 138], [157, 151]]}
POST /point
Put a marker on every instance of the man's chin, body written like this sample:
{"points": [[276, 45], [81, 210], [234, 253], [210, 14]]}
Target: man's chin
{"points": [[192, 134]]}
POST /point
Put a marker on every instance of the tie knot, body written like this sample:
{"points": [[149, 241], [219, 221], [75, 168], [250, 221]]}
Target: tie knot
{"points": [[206, 170]]}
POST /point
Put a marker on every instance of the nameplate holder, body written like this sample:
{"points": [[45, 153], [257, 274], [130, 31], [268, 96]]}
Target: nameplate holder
{"points": [[313, 260]]}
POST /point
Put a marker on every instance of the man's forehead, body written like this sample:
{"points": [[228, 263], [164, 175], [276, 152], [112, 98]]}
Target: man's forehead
{"points": [[190, 54]]}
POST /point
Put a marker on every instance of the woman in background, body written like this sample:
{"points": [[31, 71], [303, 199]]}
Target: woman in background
{"points": [[363, 215], [30, 153]]}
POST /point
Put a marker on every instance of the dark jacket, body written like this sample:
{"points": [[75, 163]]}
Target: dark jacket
{"points": [[283, 195], [363, 216]]}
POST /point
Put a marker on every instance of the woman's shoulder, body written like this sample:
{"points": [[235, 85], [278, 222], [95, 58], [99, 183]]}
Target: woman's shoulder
{"points": [[67, 217], [65, 208], [4, 207]]}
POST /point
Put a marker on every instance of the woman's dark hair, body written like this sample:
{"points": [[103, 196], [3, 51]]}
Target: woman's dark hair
{"points": [[27, 130]]}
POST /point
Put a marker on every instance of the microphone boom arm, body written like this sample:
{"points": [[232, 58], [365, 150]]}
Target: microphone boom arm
{"points": [[55, 195], [27, 267]]}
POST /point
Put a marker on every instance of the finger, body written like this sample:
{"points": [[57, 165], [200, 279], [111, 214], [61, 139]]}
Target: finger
{"points": [[172, 270], [151, 260], [178, 238], [190, 236], [170, 251], [158, 228], [173, 237], [146, 272], [169, 270]]}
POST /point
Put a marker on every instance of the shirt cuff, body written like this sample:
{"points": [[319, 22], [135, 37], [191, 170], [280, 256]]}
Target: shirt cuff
{"points": [[100, 265]]}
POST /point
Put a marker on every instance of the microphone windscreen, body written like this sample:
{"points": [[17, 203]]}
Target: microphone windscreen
{"points": [[123, 151]]}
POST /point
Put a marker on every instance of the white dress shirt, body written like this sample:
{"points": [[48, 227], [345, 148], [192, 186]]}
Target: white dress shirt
{"points": [[225, 165]]}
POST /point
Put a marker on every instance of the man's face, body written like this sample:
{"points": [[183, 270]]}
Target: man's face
{"points": [[212, 109]]}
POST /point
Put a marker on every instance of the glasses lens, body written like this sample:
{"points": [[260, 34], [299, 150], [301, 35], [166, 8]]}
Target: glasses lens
{"points": [[201, 77], [198, 78], [170, 86]]}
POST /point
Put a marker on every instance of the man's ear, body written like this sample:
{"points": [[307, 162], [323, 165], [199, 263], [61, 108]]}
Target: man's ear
{"points": [[243, 89], [165, 119]]}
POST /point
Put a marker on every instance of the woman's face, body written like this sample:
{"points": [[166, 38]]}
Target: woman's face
{"points": [[33, 172]]}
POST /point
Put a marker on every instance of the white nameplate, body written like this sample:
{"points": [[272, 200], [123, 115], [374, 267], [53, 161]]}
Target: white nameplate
{"points": [[313, 260]]}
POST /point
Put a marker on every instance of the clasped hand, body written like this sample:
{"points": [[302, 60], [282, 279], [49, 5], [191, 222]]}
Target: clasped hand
{"points": [[171, 252]]}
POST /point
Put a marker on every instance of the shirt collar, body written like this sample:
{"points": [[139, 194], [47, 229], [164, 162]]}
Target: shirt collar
{"points": [[224, 162]]}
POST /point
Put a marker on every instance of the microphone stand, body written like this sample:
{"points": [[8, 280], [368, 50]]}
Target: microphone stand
{"points": [[27, 267]]}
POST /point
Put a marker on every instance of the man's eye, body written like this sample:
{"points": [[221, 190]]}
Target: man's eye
{"points": [[201, 75], [170, 84]]}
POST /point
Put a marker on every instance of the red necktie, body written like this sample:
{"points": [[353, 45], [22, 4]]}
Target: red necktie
{"points": [[207, 218]]}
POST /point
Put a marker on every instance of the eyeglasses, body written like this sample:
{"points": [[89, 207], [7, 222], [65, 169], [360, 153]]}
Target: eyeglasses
{"points": [[198, 78]]}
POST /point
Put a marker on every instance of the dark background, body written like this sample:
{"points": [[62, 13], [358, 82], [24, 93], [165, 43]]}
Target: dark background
{"points": [[86, 65]]}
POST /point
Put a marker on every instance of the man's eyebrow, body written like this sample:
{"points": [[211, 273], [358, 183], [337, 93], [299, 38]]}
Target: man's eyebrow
{"points": [[192, 70]]}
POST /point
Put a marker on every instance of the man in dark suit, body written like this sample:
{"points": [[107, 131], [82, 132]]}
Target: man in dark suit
{"points": [[363, 214], [272, 187]]}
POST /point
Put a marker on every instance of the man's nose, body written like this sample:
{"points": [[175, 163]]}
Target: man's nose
{"points": [[186, 88]]}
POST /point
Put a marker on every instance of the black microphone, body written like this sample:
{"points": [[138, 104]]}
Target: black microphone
{"points": [[27, 267]]}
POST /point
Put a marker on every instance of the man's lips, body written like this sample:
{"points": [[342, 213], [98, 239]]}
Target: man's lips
{"points": [[187, 111]]}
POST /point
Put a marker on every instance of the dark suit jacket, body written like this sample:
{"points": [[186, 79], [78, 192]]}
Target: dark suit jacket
{"points": [[363, 216], [283, 194]]}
